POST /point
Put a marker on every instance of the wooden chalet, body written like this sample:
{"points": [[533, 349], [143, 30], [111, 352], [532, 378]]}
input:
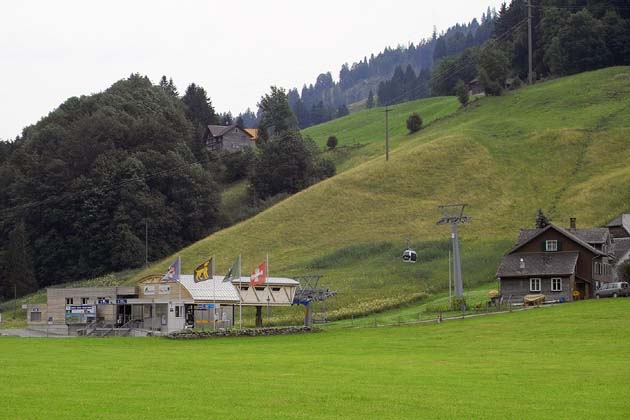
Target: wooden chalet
{"points": [[227, 137], [562, 264]]}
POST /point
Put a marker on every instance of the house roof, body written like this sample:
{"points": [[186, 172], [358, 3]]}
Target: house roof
{"points": [[592, 235], [526, 235], [253, 132], [538, 264], [221, 130], [622, 246], [623, 220]]}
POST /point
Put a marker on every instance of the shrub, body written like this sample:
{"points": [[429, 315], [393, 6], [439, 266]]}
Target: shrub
{"points": [[462, 92], [414, 123], [332, 142]]}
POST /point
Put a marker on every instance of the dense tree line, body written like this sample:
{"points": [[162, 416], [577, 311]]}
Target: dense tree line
{"points": [[78, 186], [567, 38], [326, 99]]}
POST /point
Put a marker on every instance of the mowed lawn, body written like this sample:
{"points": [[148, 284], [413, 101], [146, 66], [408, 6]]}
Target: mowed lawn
{"points": [[566, 361]]}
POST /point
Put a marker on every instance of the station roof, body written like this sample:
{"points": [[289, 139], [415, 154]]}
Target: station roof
{"points": [[209, 290], [216, 289]]}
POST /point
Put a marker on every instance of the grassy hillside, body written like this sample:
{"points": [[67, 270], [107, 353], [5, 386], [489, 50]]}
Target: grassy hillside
{"points": [[362, 135], [560, 145], [564, 361]]}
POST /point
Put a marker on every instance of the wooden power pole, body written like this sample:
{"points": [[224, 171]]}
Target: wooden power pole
{"points": [[530, 75]]}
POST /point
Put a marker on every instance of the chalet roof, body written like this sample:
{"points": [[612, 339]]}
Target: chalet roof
{"points": [[592, 235], [526, 235], [538, 264], [221, 130], [622, 246], [253, 132], [588, 235], [623, 220]]}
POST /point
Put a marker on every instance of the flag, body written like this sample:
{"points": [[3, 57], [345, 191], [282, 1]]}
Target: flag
{"points": [[231, 274], [204, 271], [259, 276], [173, 271]]}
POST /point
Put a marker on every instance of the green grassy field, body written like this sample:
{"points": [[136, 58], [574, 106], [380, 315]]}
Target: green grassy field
{"points": [[563, 362]]}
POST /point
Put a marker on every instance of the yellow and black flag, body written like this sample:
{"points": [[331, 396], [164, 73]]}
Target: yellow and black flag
{"points": [[204, 271]]}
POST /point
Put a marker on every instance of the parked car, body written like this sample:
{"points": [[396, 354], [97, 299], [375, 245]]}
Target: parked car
{"points": [[613, 289]]}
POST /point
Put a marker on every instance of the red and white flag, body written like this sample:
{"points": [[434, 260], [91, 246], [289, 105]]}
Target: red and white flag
{"points": [[259, 276]]}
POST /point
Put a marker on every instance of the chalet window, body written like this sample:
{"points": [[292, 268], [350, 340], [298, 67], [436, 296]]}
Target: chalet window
{"points": [[556, 285], [534, 285], [598, 268], [69, 301], [551, 245]]}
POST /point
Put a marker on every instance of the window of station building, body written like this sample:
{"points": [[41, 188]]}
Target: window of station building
{"points": [[245, 288], [260, 288], [36, 316], [85, 301], [179, 310], [275, 289], [69, 301]]}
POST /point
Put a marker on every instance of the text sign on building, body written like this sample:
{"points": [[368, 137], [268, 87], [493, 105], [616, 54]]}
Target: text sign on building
{"points": [[149, 290], [165, 289], [80, 314], [203, 306]]}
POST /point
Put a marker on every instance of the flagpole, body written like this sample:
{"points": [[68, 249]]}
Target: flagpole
{"points": [[179, 268], [214, 295], [267, 284], [240, 296]]}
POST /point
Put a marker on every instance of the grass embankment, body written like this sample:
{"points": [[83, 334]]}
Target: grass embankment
{"points": [[564, 361], [560, 145]]}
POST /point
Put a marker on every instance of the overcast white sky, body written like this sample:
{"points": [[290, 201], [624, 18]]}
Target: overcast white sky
{"points": [[51, 50]]}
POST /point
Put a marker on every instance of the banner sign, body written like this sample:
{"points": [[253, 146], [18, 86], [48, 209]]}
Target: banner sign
{"points": [[204, 306], [80, 314], [165, 289], [149, 290]]}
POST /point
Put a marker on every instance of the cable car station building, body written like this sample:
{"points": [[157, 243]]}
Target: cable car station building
{"points": [[155, 306]]}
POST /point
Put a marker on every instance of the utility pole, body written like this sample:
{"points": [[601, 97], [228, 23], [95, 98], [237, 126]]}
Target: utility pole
{"points": [[387, 111], [146, 243], [530, 75], [14, 300]]}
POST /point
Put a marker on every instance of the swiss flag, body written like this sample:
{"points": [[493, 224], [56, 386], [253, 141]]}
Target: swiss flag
{"points": [[259, 276]]}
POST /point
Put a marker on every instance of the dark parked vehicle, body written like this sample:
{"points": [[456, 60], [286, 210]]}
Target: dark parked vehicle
{"points": [[613, 290]]}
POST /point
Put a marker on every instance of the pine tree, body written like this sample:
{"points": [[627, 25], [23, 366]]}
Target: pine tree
{"points": [[370, 100], [541, 220]]}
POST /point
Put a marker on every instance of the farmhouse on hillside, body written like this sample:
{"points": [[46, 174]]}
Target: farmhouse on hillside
{"points": [[227, 137], [620, 231], [562, 264]]}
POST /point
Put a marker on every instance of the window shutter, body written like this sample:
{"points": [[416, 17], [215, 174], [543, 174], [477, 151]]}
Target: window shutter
{"points": [[559, 245], [543, 245]]}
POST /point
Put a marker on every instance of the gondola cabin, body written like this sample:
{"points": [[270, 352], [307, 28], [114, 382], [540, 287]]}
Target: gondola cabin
{"points": [[409, 256]]}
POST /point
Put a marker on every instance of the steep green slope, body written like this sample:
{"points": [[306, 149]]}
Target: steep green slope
{"points": [[561, 146]]}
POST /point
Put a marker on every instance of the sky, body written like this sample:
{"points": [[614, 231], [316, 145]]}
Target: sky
{"points": [[236, 50]]}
